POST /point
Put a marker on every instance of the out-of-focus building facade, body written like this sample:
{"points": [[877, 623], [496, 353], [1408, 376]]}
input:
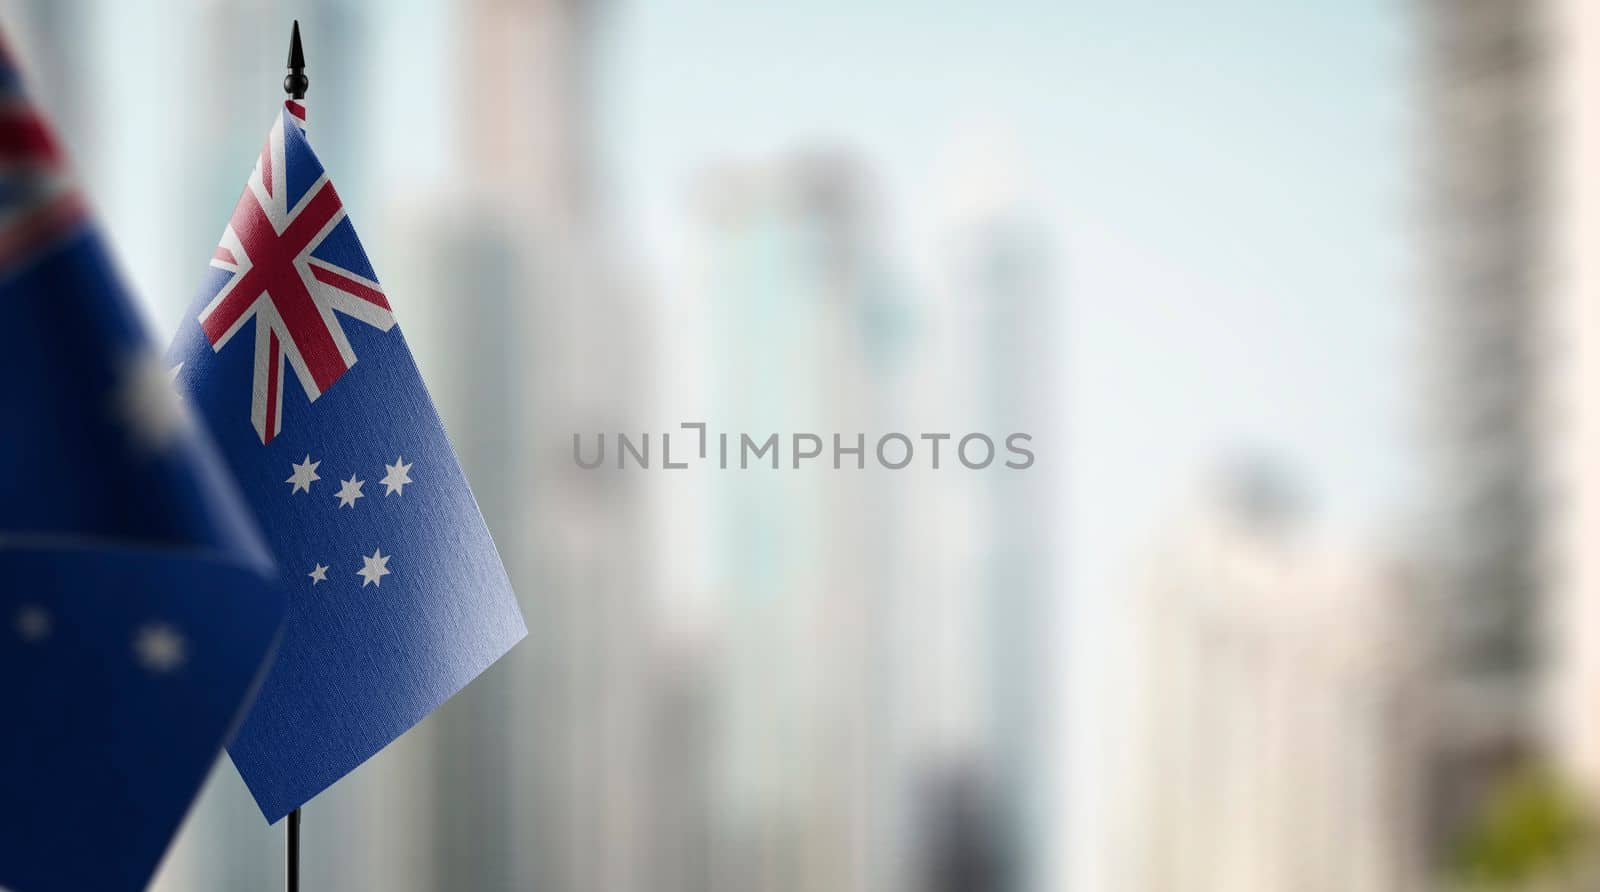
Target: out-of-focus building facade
{"points": [[1275, 729], [889, 631], [990, 354], [1008, 282], [544, 763], [1484, 203], [1484, 199], [790, 255], [1513, 180]]}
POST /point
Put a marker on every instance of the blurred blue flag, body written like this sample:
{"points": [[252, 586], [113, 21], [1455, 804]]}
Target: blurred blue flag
{"points": [[397, 597], [137, 605]]}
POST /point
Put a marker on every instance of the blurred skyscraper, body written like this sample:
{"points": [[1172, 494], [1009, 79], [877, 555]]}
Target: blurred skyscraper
{"points": [[549, 340], [1485, 274], [1276, 729], [1003, 282], [792, 264], [982, 662]]}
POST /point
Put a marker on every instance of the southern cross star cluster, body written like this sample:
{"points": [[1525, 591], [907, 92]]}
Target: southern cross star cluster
{"points": [[395, 479], [157, 647]]}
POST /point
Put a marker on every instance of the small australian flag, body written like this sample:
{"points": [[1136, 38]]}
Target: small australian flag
{"points": [[397, 597], [137, 601]]}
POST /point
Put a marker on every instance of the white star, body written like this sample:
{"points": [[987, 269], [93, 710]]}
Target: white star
{"points": [[148, 404], [305, 473], [374, 568], [397, 478], [159, 648], [34, 623], [319, 573], [349, 491]]}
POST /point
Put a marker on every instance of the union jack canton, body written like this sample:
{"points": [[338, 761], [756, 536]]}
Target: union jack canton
{"points": [[289, 258]]}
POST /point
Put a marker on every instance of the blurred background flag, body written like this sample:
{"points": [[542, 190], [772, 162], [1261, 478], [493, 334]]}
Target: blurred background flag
{"points": [[136, 600], [397, 597]]}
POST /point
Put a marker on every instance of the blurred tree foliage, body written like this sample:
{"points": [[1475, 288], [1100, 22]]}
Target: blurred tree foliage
{"points": [[1532, 834]]}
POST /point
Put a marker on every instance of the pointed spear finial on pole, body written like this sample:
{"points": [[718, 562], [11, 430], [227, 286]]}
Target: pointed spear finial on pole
{"points": [[296, 82]]}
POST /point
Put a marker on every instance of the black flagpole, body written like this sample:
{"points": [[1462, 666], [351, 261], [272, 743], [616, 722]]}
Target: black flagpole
{"points": [[295, 84], [294, 851]]}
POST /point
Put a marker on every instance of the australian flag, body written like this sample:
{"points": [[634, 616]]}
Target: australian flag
{"points": [[137, 601], [397, 597]]}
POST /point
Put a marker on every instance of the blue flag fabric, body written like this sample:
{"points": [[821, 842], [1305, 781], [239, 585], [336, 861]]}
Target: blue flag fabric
{"points": [[137, 601], [397, 597]]}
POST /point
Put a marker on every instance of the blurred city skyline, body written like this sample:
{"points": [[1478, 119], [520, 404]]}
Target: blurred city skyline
{"points": [[1127, 214], [1159, 238]]}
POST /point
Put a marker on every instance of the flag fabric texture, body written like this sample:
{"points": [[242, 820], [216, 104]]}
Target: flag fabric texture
{"points": [[137, 601], [397, 597]]}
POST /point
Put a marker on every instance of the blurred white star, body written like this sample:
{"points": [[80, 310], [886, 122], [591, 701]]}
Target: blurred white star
{"points": [[397, 478], [147, 402], [319, 573], [159, 648], [305, 473], [374, 568], [34, 623], [349, 491]]}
